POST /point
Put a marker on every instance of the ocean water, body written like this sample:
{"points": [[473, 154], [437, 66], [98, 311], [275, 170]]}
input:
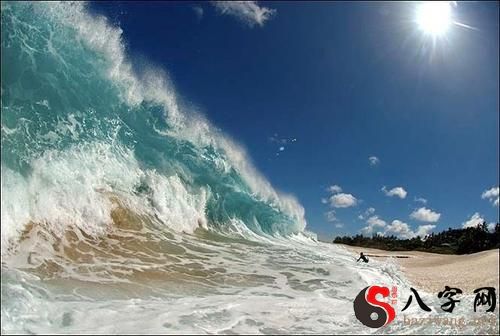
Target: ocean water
{"points": [[123, 211]]}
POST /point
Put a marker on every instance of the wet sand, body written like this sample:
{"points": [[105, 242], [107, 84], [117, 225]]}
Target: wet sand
{"points": [[431, 271]]}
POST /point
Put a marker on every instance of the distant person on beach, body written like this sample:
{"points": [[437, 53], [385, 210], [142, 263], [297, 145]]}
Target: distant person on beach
{"points": [[362, 257]]}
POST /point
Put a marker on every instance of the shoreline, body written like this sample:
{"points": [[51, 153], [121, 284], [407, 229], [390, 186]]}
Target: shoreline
{"points": [[432, 271]]}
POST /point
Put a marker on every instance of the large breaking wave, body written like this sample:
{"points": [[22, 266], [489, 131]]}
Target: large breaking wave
{"points": [[81, 126]]}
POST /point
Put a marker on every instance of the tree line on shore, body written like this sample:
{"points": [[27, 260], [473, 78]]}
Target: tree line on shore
{"points": [[451, 241]]}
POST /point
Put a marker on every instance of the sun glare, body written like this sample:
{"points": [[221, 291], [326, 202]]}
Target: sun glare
{"points": [[434, 17]]}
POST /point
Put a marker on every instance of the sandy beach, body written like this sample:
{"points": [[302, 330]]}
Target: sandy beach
{"points": [[431, 271]]}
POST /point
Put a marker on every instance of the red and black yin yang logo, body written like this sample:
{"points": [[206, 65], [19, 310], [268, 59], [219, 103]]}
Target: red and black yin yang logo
{"points": [[371, 312]]}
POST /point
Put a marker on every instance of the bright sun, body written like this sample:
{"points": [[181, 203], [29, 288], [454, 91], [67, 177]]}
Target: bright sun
{"points": [[434, 17]]}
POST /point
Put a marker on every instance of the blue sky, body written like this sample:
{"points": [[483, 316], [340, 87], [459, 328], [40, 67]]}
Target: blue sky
{"points": [[334, 84]]}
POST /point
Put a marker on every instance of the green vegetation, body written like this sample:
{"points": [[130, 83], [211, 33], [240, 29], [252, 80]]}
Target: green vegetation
{"points": [[452, 241]]}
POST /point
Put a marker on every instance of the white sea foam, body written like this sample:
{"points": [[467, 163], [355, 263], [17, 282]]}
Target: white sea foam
{"points": [[286, 286], [71, 188]]}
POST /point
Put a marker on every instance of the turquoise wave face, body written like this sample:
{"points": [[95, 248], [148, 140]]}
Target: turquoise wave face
{"points": [[77, 121]]}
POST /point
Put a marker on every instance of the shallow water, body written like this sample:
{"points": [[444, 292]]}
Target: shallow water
{"points": [[199, 283]]}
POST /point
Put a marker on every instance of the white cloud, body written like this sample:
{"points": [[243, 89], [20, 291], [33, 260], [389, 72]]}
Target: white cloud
{"points": [[403, 230], [247, 11], [493, 192], [425, 215], [492, 195], [397, 228], [400, 229], [372, 222], [367, 231], [343, 200], [397, 191], [491, 227], [373, 160], [375, 221], [424, 230], [198, 11], [420, 199], [367, 213], [330, 216], [324, 201], [473, 221], [334, 189]]}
